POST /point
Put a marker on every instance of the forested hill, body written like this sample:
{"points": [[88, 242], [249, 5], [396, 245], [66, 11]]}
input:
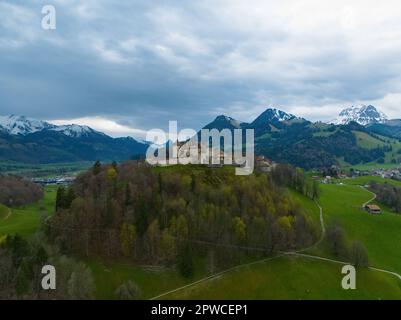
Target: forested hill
{"points": [[172, 215], [310, 146]]}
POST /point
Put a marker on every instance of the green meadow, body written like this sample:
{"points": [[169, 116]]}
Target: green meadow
{"points": [[25, 220], [152, 280], [292, 278], [367, 141], [381, 234]]}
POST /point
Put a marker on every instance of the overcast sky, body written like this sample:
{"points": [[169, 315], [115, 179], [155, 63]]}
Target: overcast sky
{"points": [[128, 66]]}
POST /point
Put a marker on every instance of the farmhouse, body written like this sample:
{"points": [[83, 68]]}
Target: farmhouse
{"points": [[373, 209]]}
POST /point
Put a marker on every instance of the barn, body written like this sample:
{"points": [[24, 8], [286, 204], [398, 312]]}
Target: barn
{"points": [[373, 209]]}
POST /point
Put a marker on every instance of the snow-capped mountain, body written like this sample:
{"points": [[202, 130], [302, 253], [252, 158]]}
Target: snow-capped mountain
{"points": [[363, 115], [279, 115], [21, 125], [34, 141], [75, 131], [272, 115]]}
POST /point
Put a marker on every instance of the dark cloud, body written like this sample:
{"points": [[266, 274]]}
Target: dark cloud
{"points": [[143, 63]]}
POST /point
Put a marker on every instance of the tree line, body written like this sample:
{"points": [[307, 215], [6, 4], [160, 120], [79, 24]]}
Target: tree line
{"points": [[295, 178], [16, 191], [341, 247], [21, 263], [388, 194]]}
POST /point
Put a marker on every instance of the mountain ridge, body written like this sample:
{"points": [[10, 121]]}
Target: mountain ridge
{"points": [[28, 140], [22, 125], [363, 115], [287, 138], [280, 136]]}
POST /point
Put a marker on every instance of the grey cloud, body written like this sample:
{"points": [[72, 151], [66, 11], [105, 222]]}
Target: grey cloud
{"points": [[143, 63]]}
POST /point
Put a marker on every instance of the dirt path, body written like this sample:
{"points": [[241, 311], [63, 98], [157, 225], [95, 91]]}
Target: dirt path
{"points": [[8, 214], [373, 199], [342, 262]]}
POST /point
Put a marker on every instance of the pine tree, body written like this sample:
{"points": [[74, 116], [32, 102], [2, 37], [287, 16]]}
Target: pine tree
{"points": [[60, 198], [193, 183], [315, 190], [96, 167], [114, 165], [128, 198], [69, 198], [185, 261], [160, 182]]}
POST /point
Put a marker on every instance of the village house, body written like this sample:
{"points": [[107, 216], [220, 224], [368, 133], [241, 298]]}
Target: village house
{"points": [[373, 209], [327, 180]]}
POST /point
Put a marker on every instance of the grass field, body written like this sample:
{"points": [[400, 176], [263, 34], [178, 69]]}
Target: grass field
{"points": [[381, 234], [292, 278], [366, 141], [152, 281], [25, 220]]}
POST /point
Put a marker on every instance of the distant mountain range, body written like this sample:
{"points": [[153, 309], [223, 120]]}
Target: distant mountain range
{"points": [[20, 125], [270, 119], [29, 140], [360, 135], [363, 115]]}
